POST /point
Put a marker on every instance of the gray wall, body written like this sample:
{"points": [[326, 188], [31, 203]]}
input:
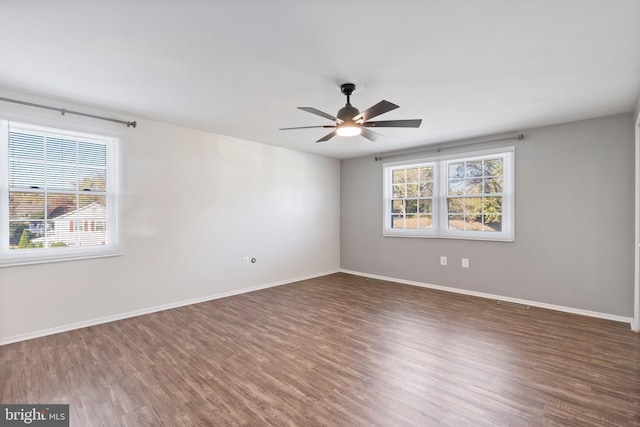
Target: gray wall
{"points": [[574, 224]]}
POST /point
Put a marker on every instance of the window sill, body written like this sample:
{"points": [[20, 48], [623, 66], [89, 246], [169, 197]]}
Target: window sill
{"points": [[409, 234], [28, 259], [502, 238]]}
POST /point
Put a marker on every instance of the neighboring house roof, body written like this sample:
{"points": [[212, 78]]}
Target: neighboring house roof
{"points": [[58, 211], [71, 215]]}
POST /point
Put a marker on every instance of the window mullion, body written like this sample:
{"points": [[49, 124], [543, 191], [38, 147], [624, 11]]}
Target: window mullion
{"points": [[46, 193], [4, 186], [442, 196]]}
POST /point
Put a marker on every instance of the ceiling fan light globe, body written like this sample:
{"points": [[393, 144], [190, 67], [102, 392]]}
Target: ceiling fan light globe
{"points": [[348, 130]]}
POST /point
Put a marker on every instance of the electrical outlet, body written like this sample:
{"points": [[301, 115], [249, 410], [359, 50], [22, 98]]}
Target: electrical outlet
{"points": [[465, 262], [245, 260], [443, 260]]}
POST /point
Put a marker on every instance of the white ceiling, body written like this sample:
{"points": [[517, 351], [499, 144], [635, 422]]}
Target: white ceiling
{"points": [[240, 68]]}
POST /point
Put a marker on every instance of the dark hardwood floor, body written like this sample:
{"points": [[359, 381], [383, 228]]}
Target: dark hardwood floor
{"points": [[339, 350]]}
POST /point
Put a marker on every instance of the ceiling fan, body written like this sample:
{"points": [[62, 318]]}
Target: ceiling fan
{"points": [[351, 122]]}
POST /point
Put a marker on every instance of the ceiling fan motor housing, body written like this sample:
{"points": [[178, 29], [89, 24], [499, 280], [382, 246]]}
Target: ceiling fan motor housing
{"points": [[347, 113]]}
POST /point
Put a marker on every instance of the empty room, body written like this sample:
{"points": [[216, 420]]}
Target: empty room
{"points": [[298, 213]]}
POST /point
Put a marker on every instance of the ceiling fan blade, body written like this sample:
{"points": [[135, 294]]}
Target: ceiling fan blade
{"points": [[371, 135], [394, 124], [380, 108], [319, 113], [308, 127], [327, 137]]}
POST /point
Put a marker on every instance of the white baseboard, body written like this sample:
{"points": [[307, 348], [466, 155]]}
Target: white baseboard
{"points": [[571, 310], [98, 321]]}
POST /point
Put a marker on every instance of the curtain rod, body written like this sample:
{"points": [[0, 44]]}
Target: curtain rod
{"points": [[64, 111], [519, 137]]}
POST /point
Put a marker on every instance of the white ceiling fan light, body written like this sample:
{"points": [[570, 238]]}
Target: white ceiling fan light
{"points": [[348, 129]]}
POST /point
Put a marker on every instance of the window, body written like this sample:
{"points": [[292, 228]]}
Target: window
{"points": [[466, 197], [55, 186]]}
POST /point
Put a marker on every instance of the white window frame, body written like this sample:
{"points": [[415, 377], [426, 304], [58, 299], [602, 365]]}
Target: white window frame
{"points": [[440, 223], [114, 194]]}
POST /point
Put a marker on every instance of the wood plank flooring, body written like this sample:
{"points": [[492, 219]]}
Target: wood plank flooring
{"points": [[339, 350]]}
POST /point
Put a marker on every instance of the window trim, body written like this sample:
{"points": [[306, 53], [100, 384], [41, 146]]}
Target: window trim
{"points": [[114, 176], [439, 229]]}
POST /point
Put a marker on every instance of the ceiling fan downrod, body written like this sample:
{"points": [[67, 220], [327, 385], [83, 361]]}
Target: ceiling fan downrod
{"points": [[347, 89], [348, 112]]}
